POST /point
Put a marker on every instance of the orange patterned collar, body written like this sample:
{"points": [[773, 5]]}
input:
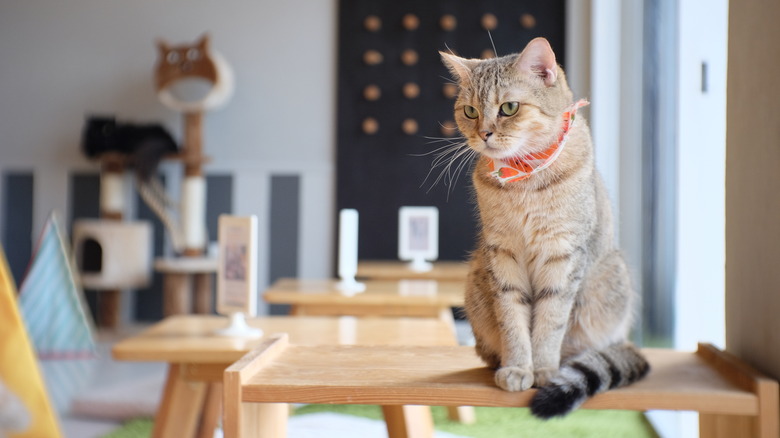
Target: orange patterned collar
{"points": [[520, 168]]}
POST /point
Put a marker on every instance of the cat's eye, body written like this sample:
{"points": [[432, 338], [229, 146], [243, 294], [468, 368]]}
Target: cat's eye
{"points": [[193, 54], [172, 57], [509, 108], [470, 112]]}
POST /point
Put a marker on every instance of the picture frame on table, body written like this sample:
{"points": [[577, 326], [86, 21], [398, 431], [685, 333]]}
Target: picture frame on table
{"points": [[418, 235], [237, 267]]}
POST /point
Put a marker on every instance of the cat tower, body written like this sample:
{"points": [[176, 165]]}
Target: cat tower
{"points": [[115, 254], [191, 79], [112, 254]]}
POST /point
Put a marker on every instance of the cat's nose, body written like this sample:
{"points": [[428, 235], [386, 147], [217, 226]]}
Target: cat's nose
{"points": [[484, 135]]}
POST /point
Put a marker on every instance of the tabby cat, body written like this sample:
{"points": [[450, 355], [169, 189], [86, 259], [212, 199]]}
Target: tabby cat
{"points": [[548, 297]]}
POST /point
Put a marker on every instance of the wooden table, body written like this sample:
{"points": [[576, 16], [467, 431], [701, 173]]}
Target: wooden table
{"points": [[197, 358], [185, 278], [398, 270], [733, 399], [417, 298]]}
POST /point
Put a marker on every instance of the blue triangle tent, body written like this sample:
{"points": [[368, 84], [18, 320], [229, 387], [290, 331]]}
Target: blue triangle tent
{"points": [[54, 310]]}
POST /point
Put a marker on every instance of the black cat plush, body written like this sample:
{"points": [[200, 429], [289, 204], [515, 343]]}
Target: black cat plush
{"points": [[144, 145]]}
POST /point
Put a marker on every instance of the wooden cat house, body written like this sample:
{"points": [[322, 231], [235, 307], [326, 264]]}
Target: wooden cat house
{"points": [[113, 255]]}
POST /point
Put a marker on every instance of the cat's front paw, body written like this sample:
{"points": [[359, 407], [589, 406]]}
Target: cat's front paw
{"points": [[543, 376], [514, 379]]}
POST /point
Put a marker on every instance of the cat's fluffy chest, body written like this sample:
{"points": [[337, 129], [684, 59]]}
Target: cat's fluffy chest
{"points": [[533, 226]]}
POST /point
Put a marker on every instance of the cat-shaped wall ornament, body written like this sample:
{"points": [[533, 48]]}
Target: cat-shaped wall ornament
{"points": [[548, 295], [189, 63]]}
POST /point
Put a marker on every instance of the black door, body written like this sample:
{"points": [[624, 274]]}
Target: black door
{"points": [[394, 107]]}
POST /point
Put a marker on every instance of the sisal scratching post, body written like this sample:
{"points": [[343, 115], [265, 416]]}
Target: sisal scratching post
{"points": [[194, 186], [111, 207]]}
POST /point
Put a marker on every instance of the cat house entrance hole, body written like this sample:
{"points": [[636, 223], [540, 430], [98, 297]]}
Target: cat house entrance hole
{"points": [[91, 256]]}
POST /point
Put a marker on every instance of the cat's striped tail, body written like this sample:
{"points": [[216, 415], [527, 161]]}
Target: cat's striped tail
{"points": [[588, 374]]}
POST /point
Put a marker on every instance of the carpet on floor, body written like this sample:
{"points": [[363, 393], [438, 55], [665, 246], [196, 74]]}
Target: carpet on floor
{"points": [[120, 401]]}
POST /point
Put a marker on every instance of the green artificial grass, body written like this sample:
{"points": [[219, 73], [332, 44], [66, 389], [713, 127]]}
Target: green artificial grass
{"points": [[518, 422], [136, 428], [491, 423]]}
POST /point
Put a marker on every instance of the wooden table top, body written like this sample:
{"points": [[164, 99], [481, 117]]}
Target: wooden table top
{"points": [[454, 376], [378, 292], [191, 338], [398, 270]]}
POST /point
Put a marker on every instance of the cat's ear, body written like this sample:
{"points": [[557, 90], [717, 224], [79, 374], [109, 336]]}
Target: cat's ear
{"points": [[538, 59], [203, 42], [162, 45], [459, 67]]}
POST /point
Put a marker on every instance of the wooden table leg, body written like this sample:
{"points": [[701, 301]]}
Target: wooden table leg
{"points": [[445, 315], [180, 407], [462, 414], [768, 422], [108, 308], [203, 292], [263, 420], [177, 298], [765, 425], [408, 421], [212, 410], [725, 426]]}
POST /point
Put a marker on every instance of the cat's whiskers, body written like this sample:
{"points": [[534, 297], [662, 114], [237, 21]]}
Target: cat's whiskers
{"points": [[472, 153], [449, 175], [449, 81], [492, 43], [450, 144], [451, 158]]}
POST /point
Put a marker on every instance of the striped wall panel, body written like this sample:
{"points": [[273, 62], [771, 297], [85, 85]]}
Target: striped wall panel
{"points": [[219, 200], [84, 198], [283, 231], [18, 220]]}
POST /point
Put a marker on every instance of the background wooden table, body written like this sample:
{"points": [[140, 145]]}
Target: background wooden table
{"points": [[415, 298], [398, 270], [197, 358]]}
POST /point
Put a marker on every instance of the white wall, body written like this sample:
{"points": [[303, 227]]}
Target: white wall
{"points": [[62, 60], [701, 167], [699, 289]]}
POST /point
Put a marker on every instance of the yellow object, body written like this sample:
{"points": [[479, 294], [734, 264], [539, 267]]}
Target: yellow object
{"points": [[19, 369]]}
